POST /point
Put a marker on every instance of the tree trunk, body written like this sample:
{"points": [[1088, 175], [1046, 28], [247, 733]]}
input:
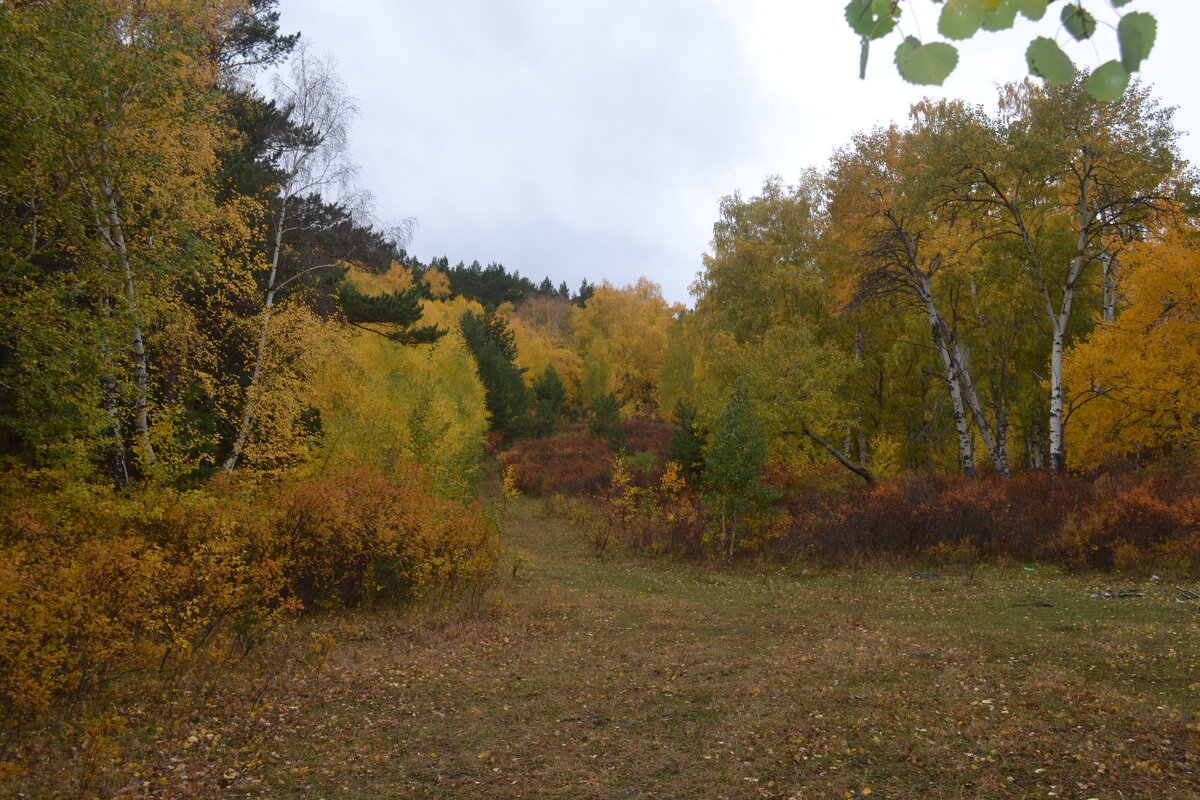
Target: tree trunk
{"points": [[939, 332], [1058, 460], [141, 372], [995, 445], [1109, 263], [843, 458], [116, 457], [250, 407]]}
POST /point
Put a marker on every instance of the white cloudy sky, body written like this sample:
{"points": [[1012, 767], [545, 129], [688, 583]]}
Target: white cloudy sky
{"points": [[595, 138]]}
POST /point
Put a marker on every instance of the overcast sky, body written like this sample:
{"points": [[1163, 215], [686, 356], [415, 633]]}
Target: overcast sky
{"points": [[595, 138]]}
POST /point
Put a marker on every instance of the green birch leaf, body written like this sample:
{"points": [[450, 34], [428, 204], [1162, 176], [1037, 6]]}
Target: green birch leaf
{"points": [[1047, 60], [961, 19], [1034, 9], [870, 18], [1136, 33], [1119, 3], [1078, 21], [1000, 16], [1108, 82], [925, 64]]}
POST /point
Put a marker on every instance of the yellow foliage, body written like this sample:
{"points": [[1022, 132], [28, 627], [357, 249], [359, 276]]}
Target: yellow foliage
{"points": [[1135, 383], [439, 283], [447, 313], [885, 456], [536, 352], [98, 588], [398, 278], [384, 403], [794, 381], [300, 346], [621, 336]]}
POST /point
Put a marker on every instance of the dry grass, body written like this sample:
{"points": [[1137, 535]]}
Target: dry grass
{"points": [[617, 678]]}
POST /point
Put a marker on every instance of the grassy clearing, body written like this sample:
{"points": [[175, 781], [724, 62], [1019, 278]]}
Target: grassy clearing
{"points": [[619, 678]]}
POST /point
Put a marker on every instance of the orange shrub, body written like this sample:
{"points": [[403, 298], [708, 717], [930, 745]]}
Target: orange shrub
{"points": [[77, 611], [95, 586], [1155, 522], [356, 536]]}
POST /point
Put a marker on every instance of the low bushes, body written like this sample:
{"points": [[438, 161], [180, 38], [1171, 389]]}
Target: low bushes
{"points": [[1136, 525], [919, 515], [647, 435], [571, 464], [357, 536], [1131, 524], [96, 587], [1068, 520], [576, 464]]}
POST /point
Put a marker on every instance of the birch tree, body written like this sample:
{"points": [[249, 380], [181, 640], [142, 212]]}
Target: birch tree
{"points": [[309, 157], [907, 251], [1069, 180], [122, 146]]}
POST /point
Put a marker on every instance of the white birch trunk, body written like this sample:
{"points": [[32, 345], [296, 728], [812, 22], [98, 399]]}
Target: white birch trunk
{"points": [[938, 331], [1110, 288], [250, 407], [994, 445], [141, 371], [1055, 417]]}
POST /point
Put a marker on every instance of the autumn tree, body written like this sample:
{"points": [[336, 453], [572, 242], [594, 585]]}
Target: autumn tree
{"points": [[1136, 378], [109, 172], [917, 255], [766, 285], [1069, 181], [542, 326], [308, 156], [621, 337], [761, 249]]}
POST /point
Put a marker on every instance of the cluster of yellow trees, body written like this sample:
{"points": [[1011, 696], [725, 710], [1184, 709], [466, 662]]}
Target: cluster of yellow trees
{"points": [[1003, 287], [971, 288]]}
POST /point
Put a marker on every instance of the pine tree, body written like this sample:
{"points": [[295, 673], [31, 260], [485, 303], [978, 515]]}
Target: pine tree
{"points": [[606, 421], [687, 443], [398, 311], [549, 401], [495, 351]]}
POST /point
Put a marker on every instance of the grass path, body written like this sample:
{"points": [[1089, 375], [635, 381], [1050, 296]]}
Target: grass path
{"points": [[589, 678]]}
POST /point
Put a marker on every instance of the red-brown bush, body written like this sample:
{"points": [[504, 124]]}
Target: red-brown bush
{"points": [[1126, 523], [571, 464], [647, 435], [1137, 525], [910, 516]]}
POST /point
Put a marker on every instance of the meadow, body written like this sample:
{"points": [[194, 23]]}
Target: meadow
{"points": [[617, 675]]}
